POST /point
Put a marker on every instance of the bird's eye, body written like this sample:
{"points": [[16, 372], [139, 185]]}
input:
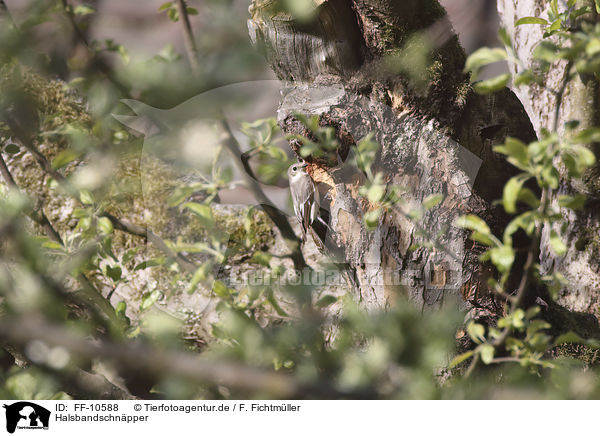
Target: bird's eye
{"points": [[294, 169]]}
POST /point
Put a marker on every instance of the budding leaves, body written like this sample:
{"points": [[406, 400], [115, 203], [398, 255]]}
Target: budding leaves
{"points": [[511, 192], [557, 244], [481, 231], [502, 257], [149, 298], [493, 85], [487, 353], [531, 20], [483, 57]]}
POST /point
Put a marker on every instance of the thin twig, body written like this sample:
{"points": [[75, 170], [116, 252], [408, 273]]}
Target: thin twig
{"points": [[119, 224], [136, 230], [280, 220], [37, 216], [534, 247], [190, 42], [101, 311], [240, 160], [100, 62]]}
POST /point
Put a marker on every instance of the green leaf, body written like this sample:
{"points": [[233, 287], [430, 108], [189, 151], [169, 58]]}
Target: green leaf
{"points": [[547, 52], [473, 222], [432, 201], [53, 245], [476, 332], [585, 156], [575, 203], [537, 325], [532, 312], [200, 275], [261, 258], [150, 263], [84, 10], [192, 11], [85, 223], [557, 244], [550, 177], [460, 359], [554, 28], [220, 289], [64, 158], [511, 192], [597, 6], [325, 301], [165, 6], [376, 193], [204, 213], [492, 85], [524, 78], [121, 308], [173, 14], [531, 20], [81, 213], [481, 231], [487, 353], [149, 298], [483, 239], [505, 37], [517, 318], [517, 152], [105, 225], [129, 254], [593, 47], [482, 57], [371, 218], [528, 197], [113, 272], [587, 136], [502, 257], [554, 7], [86, 197], [124, 54]]}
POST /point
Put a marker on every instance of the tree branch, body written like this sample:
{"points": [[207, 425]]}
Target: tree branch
{"points": [[278, 218], [101, 63], [133, 229], [136, 230], [5, 13], [37, 216], [158, 363]]}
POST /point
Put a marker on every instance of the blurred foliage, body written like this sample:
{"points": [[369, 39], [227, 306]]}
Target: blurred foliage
{"points": [[142, 259], [563, 152]]}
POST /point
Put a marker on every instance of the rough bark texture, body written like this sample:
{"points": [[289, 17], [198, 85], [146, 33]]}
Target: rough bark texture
{"points": [[350, 64], [581, 264]]}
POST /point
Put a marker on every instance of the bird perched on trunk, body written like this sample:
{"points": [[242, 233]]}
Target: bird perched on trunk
{"points": [[305, 197]]}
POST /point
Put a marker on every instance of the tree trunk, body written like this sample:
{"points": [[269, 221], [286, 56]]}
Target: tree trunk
{"points": [[355, 64], [581, 264]]}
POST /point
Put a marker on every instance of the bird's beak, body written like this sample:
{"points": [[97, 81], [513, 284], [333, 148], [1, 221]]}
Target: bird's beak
{"points": [[304, 166]]}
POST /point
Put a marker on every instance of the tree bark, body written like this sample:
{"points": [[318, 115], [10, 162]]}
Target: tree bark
{"points": [[352, 63], [580, 101]]}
